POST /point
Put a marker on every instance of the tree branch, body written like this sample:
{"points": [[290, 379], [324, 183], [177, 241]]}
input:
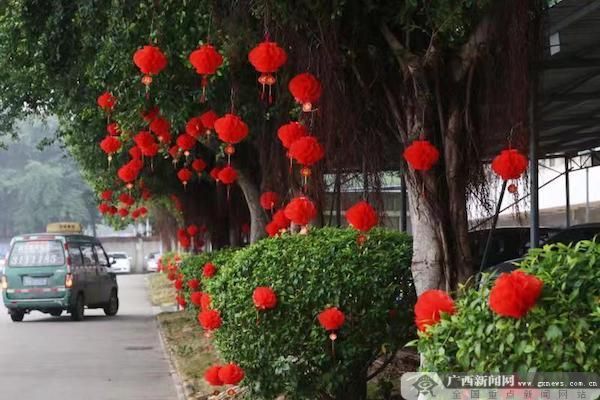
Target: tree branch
{"points": [[469, 51]]}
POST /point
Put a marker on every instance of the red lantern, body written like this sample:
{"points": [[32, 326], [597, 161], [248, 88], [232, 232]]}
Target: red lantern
{"points": [[144, 139], [306, 90], [267, 57], [160, 126], [110, 145], [192, 230], [123, 212], [106, 102], [228, 175], [509, 164], [214, 173], [198, 165], [300, 211], [421, 155], [291, 132], [150, 150], [186, 143], [206, 60], [174, 153], [212, 376], [178, 284], [210, 320], [209, 270], [205, 301], [126, 199], [307, 150], [231, 129], [429, 307], [272, 229], [362, 216], [269, 200], [150, 60], [231, 374], [331, 319], [184, 175], [208, 120], [195, 297], [143, 211], [104, 208], [135, 153], [106, 195], [280, 220], [194, 127], [514, 294], [113, 129], [264, 298]]}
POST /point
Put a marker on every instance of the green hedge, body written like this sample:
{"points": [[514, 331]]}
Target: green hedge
{"points": [[561, 333], [285, 350]]}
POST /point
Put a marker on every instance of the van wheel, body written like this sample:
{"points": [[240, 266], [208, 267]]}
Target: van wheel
{"points": [[56, 313], [112, 307], [77, 310], [17, 316]]}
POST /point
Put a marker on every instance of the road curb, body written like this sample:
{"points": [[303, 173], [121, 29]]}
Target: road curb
{"points": [[173, 368]]}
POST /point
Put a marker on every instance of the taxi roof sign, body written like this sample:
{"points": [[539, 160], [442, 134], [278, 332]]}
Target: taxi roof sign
{"points": [[64, 227]]}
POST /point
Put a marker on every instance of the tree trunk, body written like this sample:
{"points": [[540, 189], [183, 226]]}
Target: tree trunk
{"points": [[258, 219]]}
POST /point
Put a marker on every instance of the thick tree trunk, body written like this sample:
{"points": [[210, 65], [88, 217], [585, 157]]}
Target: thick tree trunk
{"points": [[258, 219]]}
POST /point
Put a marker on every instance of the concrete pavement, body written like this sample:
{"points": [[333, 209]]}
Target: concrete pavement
{"points": [[100, 358]]}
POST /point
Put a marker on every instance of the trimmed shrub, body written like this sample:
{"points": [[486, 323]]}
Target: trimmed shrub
{"points": [[560, 333], [285, 350]]}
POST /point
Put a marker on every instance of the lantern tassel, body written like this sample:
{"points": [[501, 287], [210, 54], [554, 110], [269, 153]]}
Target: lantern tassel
{"points": [[204, 83], [270, 95]]}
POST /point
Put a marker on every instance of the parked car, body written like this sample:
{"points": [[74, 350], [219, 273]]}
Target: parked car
{"points": [[152, 261], [573, 234], [56, 272], [121, 262], [508, 243]]}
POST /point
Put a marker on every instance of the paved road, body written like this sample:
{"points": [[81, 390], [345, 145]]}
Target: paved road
{"points": [[121, 358]]}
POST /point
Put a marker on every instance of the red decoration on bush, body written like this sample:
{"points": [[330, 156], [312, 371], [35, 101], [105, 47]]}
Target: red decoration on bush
{"points": [[184, 175], [150, 60], [307, 150], [362, 216], [429, 306], [135, 152], [126, 199], [291, 132], [269, 200], [110, 145], [113, 129], [306, 90], [509, 164], [264, 298], [205, 301], [128, 173], [198, 165], [178, 284], [210, 320], [196, 298], [193, 284], [331, 319], [106, 102], [181, 301], [300, 210], [206, 60], [231, 374], [211, 375], [123, 212], [104, 208], [515, 293], [231, 129], [228, 175], [209, 270], [281, 220], [267, 57], [421, 155], [272, 229], [106, 195]]}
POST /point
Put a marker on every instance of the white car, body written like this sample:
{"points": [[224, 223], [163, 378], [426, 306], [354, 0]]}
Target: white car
{"points": [[121, 263], [152, 261]]}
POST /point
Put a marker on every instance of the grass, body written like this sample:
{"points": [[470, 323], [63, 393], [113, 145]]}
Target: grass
{"points": [[161, 290]]}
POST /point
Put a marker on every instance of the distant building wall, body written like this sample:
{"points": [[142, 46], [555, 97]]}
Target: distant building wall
{"points": [[137, 248]]}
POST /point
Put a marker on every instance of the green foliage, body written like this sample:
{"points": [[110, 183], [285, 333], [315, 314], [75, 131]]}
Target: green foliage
{"points": [[561, 333], [285, 350]]}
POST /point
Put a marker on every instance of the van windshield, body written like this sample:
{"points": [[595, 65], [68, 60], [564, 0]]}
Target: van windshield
{"points": [[37, 253]]}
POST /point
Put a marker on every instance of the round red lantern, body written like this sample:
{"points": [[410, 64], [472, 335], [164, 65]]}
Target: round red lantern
{"points": [[160, 126], [123, 212], [280, 220], [269, 200], [306, 90], [211, 375], [361, 216], [307, 150], [331, 319], [209, 270], [150, 60], [264, 298], [144, 139], [208, 120], [184, 175], [231, 129], [291, 132], [198, 165], [228, 175], [106, 102], [515, 293], [210, 319], [421, 155], [272, 229], [113, 129], [104, 208], [509, 164], [126, 199], [300, 210], [186, 143], [267, 57], [106, 195], [110, 145], [192, 230], [206, 60], [429, 307], [214, 173], [194, 127], [135, 153], [231, 374]]}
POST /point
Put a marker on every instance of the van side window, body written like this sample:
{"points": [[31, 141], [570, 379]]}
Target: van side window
{"points": [[75, 255], [88, 254], [102, 260]]}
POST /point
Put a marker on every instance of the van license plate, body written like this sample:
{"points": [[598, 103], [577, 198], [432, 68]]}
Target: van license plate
{"points": [[29, 281]]}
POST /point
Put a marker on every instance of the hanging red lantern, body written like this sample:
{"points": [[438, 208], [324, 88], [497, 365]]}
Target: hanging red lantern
{"points": [[429, 307], [231, 374], [128, 173], [174, 153], [143, 211], [231, 129], [144, 139], [264, 298], [206, 60], [126, 199], [291, 132], [113, 129], [281, 221], [331, 319], [210, 319], [198, 165], [146, 194], [362, 216], [421, 155], [106, 102], [228, 175], [208, 120], [212, 376], [269, 200], [307, 150], [150, 60], [509, 164], [306, 90], [192, 230], [160, 126], [135, 214], [195, 297], [113, 210], [209, 270], [186, 143], [184, 175], [104, 208], [267, 57], [515, 293], [194, 127], [272, 229], [300, 210], [214, 173], [135, 153], [123, 212], [106, 195], [110, 145], [150, 150]]}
